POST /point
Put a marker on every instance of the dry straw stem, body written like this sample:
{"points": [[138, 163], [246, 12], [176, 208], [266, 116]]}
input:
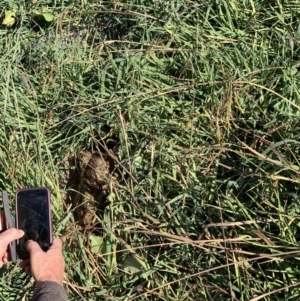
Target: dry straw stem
{"points": [[228, 224], [275, 291], [277, 256]]}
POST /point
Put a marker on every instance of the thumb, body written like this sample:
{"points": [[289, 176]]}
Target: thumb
{"points": [[10, 235], [56, 244], [32, 246]]}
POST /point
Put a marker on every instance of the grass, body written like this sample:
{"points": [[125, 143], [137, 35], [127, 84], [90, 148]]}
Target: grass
{"points": [[200, 102]]}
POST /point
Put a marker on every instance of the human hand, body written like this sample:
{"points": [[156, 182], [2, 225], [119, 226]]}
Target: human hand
{"points": [[45, 266], [6, 238]]}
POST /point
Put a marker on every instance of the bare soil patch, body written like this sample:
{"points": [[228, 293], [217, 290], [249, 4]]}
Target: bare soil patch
{"points": [[88, 185]]}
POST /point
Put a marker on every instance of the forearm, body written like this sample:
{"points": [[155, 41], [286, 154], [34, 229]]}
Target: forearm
{"points": [[49, 291]]}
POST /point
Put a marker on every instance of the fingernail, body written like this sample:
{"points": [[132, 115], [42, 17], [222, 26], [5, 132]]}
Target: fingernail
{"points": [[21, 232]]}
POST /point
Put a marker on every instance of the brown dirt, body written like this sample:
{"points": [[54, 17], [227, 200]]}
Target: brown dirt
{"points": [[88, 186]]}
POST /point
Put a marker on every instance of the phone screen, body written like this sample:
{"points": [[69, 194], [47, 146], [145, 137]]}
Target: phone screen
{"points": [[33, 217]]}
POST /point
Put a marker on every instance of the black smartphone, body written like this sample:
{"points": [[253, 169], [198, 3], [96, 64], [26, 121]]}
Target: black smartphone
{"points": [[33, 216]]}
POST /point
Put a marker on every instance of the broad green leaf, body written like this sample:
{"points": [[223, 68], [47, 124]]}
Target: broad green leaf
{"points": [[48, 17], [46, 14], [9, 19], [95, 243], [131, 265]]}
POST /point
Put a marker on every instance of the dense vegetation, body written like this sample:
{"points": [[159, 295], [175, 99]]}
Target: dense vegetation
{"points": [[195, 105]]}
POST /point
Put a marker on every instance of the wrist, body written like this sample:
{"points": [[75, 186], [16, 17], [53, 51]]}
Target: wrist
{"points": [[41, 281]]}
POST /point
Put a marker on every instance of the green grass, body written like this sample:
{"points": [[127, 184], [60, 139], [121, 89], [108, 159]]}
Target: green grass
{"points": [[201, 100]]}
